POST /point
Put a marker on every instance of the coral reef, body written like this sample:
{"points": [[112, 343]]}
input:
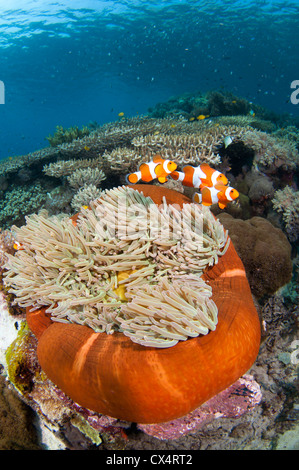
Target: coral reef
{"points": [[264, 250], [19, 201], [67, 167], [62, 135], [193, 148], [118, 148], [261, 162], [84, 176], [192, 105], [83, 197], [226, 104], [272, 153], [286, 203]]}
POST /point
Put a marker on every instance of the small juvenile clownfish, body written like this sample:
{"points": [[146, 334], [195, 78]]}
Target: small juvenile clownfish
{"points": [[156, 168], [199, 176], [18, 246], [220, 194]]}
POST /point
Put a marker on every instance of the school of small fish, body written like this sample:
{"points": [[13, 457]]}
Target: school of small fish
{"points": [[212, 184]]}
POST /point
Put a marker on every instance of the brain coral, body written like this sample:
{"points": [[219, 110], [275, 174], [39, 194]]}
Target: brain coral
{"points": [[146, 324], [264, 250]]}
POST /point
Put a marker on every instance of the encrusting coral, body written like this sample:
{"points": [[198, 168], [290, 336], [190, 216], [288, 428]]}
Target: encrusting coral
{"points": [[264, 250], [82, 271]]}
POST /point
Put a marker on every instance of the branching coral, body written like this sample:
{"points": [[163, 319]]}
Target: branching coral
{"points": [[122, 160], [62, 135], [67, 167], [84, 195], [19, 201], [286, 202], [271, 152], [84, 176]]}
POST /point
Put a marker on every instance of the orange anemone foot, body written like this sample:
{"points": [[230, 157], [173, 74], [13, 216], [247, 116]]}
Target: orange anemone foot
{"points": [[114, 376]]}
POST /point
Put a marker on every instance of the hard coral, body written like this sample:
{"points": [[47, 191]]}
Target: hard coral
{"points": [[67, 135], [264, 250], [272, 153], [286, 202], [221, 104], [112, 374]]}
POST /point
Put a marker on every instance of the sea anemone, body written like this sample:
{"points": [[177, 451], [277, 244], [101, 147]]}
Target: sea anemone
{"points": [[151, 312]]}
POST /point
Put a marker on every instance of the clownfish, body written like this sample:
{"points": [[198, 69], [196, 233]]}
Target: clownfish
{"points": [[199, 176], [156, 168], [219, 193], [18, 246]]}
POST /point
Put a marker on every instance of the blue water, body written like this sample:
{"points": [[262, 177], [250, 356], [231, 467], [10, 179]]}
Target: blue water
{"points": [[70, 62]]}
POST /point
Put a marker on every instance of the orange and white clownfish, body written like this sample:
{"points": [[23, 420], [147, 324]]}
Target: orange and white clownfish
{"points": [[199, 176], [156, 168], [219, 193], [18, 246]]}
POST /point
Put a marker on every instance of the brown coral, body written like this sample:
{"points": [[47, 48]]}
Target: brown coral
{"points": [[264, 250]]}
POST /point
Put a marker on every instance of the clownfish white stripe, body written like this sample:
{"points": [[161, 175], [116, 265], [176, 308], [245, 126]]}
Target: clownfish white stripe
{"points": [[227, 195], [214, 177], [151, 166], [165, 165]]}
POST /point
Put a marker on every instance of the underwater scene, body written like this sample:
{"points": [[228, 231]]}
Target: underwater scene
{"points": [[149, 226]]}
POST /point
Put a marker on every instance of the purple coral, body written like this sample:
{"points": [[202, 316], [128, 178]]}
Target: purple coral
{"points": [[232, 402]]}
